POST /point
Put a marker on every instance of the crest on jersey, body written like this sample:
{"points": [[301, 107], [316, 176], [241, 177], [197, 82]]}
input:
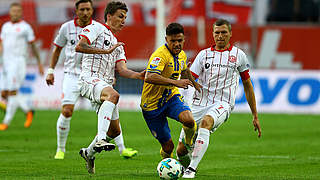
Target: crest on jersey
{"points": [[86, 30], [232, 59], [107, 43], [155, 62], [207, 65]]}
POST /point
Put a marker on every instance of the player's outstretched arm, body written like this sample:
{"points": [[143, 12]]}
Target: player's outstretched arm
{"points": [[248, 89], [53, 62], [186, 74], [84, 47], [154, 78], [36, 54], [123, 71]]}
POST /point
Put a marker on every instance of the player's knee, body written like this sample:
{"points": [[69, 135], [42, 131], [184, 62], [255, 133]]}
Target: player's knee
{"points": [[110, 95], [187, 119], [207, 122], [67, 111]]}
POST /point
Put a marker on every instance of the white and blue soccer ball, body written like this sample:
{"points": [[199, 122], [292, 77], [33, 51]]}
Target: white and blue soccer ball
{"points": [[169, 168]]}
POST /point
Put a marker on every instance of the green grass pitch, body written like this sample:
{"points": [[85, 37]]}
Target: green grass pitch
{"points": [[288, 149]]}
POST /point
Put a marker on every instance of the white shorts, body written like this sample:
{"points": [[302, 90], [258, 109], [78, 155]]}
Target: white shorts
{"points": [[13, 76], [91, 88], [70, 89], [219, 111]]}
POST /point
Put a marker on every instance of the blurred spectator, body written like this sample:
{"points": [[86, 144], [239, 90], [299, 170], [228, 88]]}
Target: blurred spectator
{"points": [[294, 11]]}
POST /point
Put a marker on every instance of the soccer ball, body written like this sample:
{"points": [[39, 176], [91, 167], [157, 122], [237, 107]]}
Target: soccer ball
{"points": [[169, 168]]}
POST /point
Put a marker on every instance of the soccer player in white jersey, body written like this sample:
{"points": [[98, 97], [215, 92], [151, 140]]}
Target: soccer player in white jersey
{"points": [[103, 54], [68, 38], [218, 70], [16, 35]]}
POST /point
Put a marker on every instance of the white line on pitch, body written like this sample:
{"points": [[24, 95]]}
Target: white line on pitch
{"points": [[261, 156]]}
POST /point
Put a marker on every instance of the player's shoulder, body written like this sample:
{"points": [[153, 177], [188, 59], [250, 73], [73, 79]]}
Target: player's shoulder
{"points": [[160, 52], [203, 52], [238, 50], [68, 23]]}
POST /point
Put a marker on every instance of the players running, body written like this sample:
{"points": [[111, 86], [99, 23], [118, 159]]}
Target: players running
{"points": [[68, 38], [218, 70], [160, 95], [103, 54], [16, 35]]}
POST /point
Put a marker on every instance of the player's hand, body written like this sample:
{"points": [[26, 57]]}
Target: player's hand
{"points": [[183, 83], [256, 125], [197, 86], [50, 79], [142, 74], [114, 47], [41, 71]]}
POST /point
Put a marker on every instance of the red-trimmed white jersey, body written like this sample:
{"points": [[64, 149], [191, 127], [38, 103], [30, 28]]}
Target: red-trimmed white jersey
{"points": [[15, 38], [219, 74], [101, 66], [68, 37]]}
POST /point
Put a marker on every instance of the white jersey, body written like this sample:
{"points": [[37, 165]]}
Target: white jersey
{"points": [[101, 66], [68, 37], [219, 73], [15, 38]]}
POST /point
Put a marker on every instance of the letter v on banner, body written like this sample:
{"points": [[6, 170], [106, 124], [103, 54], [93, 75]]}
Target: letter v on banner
{"points": [[268, 57]]}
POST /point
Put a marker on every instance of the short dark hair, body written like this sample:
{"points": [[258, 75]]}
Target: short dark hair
{"points": [[15, 4], [221, 22], [174, 28], [113, 6], [82, 1]]}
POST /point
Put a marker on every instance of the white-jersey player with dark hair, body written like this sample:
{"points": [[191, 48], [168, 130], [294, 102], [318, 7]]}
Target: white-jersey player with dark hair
{"points": [[68, 38], [16, 35], [103, 54], [218, 70]]}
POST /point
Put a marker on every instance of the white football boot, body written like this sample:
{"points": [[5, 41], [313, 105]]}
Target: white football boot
{"points": [[190, 173]]}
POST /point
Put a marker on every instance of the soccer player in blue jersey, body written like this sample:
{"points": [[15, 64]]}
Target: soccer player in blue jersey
{"points": [[160, 95]]}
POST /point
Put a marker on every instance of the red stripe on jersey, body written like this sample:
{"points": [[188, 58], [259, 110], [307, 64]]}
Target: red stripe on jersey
{"points": [[224, 83], [86, 38], [194, 75], [205, 78], [215, 91], [233, 75], [245, 75], [57, 45], [121, 60]]}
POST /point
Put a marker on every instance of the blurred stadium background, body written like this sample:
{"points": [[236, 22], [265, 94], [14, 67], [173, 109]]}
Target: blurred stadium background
{"points": [[280, 38]]}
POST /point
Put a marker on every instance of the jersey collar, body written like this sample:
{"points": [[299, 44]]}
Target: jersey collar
{"points": [[213, 48], [76, 24], [108, 27], [174, 57]]}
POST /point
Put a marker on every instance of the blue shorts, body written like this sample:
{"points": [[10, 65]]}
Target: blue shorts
{"points": [[157, 119]]}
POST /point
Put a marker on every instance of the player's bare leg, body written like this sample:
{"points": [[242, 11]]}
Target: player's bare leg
{"points": [[189, 126], [166, 150], [63, 128]]}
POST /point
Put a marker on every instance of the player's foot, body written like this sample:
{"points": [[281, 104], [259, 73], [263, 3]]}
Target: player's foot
{"points": [[3, 127], [129, 153], [89, 161], [59, 155], [29, 119], [103, 145], [190, 173]]}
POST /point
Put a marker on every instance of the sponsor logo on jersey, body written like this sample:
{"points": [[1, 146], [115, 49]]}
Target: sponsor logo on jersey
{"points": [[72, 42], [107, 43], [207, 65], [232, 59], [86, 30]]}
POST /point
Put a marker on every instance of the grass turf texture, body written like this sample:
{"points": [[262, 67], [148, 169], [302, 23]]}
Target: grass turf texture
{"points": [[289, 149]]}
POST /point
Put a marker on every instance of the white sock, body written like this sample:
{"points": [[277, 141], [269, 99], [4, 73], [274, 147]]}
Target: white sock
{"points": [[23, 103], [63, 127], [119, 141], [12, 106], [200, 147], [104, 118], [91, 152]]}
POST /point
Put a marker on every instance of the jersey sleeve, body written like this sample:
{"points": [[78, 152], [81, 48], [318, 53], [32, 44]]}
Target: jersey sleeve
{"points": [[61, 39], [30, 34], [90, 32], [2, 32], [196, 66], [156, 63], [244, 63], [121, 56]]}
